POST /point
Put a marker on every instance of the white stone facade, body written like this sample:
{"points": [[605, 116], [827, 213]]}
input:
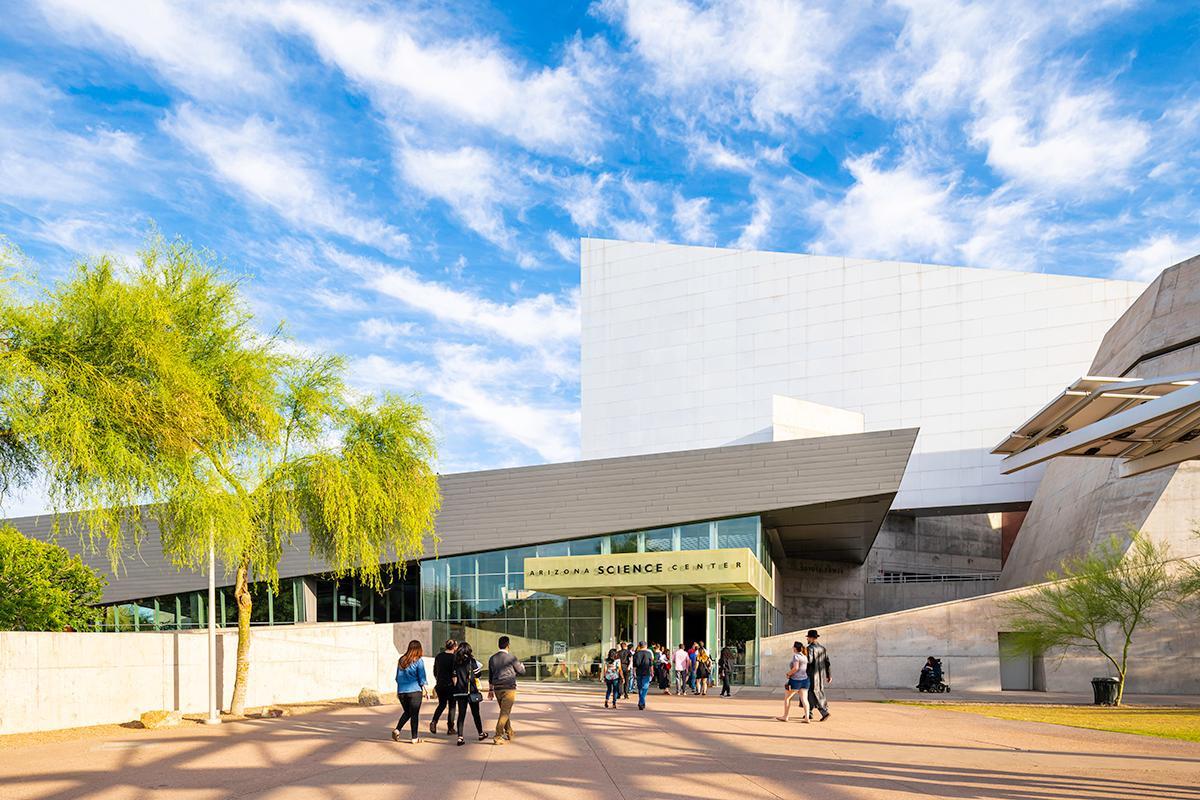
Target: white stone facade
{"points": [[686, 347]]}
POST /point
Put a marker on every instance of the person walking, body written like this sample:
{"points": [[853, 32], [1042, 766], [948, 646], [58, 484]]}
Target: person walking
{"points": [[626, 656], [410, 688], [643, 666], [443, 686], [681, 663], [610, 676], [503, 669], [663, 668], [725, 671], [819, 675], [703, 670], [692, 652], [797, 682], [466, 689]]}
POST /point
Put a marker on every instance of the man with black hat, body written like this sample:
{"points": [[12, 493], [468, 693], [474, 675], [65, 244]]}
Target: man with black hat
{"points": [[818, 675]]}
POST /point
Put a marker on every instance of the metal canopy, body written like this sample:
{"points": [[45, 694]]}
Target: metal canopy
{"points": [[1146, 422]]}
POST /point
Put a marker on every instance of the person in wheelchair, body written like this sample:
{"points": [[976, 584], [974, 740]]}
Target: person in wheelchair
{"points": [[931, 676]]}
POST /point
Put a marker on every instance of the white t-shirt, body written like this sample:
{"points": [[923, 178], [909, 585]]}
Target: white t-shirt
{"points": [[682, 660], [800, 665]]}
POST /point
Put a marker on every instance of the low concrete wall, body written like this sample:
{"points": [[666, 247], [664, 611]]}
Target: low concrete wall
{"points": [[61, 680], [887, 651]]}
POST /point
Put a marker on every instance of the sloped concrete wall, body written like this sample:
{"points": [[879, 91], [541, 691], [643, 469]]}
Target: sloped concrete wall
{"points": [[61, 680], [887, 651]]}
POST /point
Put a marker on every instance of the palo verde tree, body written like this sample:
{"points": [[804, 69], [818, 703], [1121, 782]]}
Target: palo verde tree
{"points": [[1097, 601], [43, 587], [149, 390]]}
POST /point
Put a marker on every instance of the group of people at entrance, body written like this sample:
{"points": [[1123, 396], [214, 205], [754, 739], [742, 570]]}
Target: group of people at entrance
{"points": [[456, 675], [807, 676], [691, 669]]}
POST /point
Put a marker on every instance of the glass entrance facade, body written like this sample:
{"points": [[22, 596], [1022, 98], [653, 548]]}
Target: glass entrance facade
{"points": [[482, 596]]}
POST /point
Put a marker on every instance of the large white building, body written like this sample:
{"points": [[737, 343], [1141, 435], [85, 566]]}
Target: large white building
{"points": [[691, 347]]}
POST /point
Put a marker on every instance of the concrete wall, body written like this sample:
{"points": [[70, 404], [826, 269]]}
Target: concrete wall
{"points": [[811, 592], [886, 652], [685, 347], [1081, 501], [60, 680]]}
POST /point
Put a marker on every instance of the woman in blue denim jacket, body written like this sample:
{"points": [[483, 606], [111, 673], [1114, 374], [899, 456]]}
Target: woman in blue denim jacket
{"points": [[410, 688]]}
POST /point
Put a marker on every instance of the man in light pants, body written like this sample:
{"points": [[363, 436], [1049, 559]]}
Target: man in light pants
{"points": [[681, 664]]}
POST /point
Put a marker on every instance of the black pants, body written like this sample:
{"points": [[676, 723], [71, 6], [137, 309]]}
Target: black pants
{"points": [[411, 703], [463, 702], [725, 686], [446, 698]]}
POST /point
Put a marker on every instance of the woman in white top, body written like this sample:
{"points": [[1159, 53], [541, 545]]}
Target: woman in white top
{"points": [[797, 681]]}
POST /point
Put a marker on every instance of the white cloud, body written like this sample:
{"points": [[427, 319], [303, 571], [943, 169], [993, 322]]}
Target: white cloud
{"points": [[582, 197], [468, 180], [888, 211], [407, 67], [496, 393], [197, 45], [542, 321], [756, 230], [1081, 144], [41, 162], [1145, 261], [715, 154], [256, 159], [385, 331], [567, 249], [771, 58], [334, 300], [694, 220]]}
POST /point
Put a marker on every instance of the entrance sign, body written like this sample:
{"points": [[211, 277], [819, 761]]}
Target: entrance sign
{"points": [[733, 569]]}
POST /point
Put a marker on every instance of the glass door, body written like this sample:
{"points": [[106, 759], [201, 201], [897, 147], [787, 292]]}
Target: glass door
{"points": [[624, 620]]}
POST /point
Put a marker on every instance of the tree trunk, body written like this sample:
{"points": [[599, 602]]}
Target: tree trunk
{"points": [[241, 591], [1120, 686]]}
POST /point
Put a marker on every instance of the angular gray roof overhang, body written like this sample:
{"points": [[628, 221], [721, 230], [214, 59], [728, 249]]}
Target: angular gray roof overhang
{"points": [[825, 497]]}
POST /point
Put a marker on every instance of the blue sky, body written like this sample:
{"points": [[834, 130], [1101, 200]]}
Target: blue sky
{"points": [[407, 184]]}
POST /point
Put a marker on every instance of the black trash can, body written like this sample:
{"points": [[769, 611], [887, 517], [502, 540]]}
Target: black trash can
{"points": [[1105, 691]]}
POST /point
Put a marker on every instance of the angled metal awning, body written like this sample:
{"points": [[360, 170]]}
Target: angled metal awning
{"points": [[1146, 422]]}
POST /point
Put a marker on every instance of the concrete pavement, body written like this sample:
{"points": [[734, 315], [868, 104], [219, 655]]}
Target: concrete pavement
{"points": [[568, 746]]}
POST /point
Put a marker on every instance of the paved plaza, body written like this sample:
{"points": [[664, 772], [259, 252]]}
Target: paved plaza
{"points": [[568, 746]]}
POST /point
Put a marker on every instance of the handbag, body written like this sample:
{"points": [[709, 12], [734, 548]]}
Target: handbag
{"points": [[474, 697]]}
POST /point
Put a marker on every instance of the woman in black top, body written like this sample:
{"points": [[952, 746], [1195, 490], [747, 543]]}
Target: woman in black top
{"points": [[443, 686], [466, 689], [725, 670]]}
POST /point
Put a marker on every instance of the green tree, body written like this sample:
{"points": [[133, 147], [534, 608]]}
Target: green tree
{"points": [[1097, 601], [43, 587], [149, 390]]}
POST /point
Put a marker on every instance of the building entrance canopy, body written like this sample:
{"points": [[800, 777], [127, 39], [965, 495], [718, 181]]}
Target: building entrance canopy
{"points": [[727, 570], [1148, 423]]}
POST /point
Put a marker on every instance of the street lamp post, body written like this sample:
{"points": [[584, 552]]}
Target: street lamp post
{"points": [[214, 713]]}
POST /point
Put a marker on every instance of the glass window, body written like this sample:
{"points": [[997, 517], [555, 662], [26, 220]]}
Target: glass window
{"points": [[585, 607], [694, 537], [324, 600], [586, 547], [623, 543], [491, 587], [553, 549], [742, 532], [491, 563], [661, 540]]}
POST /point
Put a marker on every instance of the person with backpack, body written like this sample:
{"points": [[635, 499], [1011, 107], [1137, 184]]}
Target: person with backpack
{"points": [[610, 676], [410, 688], [466, 689], [643, 666]]}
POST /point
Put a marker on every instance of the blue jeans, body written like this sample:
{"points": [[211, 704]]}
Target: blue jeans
{"points": [[643, 684], [612, 688]]}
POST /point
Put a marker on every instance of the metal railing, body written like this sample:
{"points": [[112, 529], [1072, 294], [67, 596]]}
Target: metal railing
{"points": [[951, 577]]}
